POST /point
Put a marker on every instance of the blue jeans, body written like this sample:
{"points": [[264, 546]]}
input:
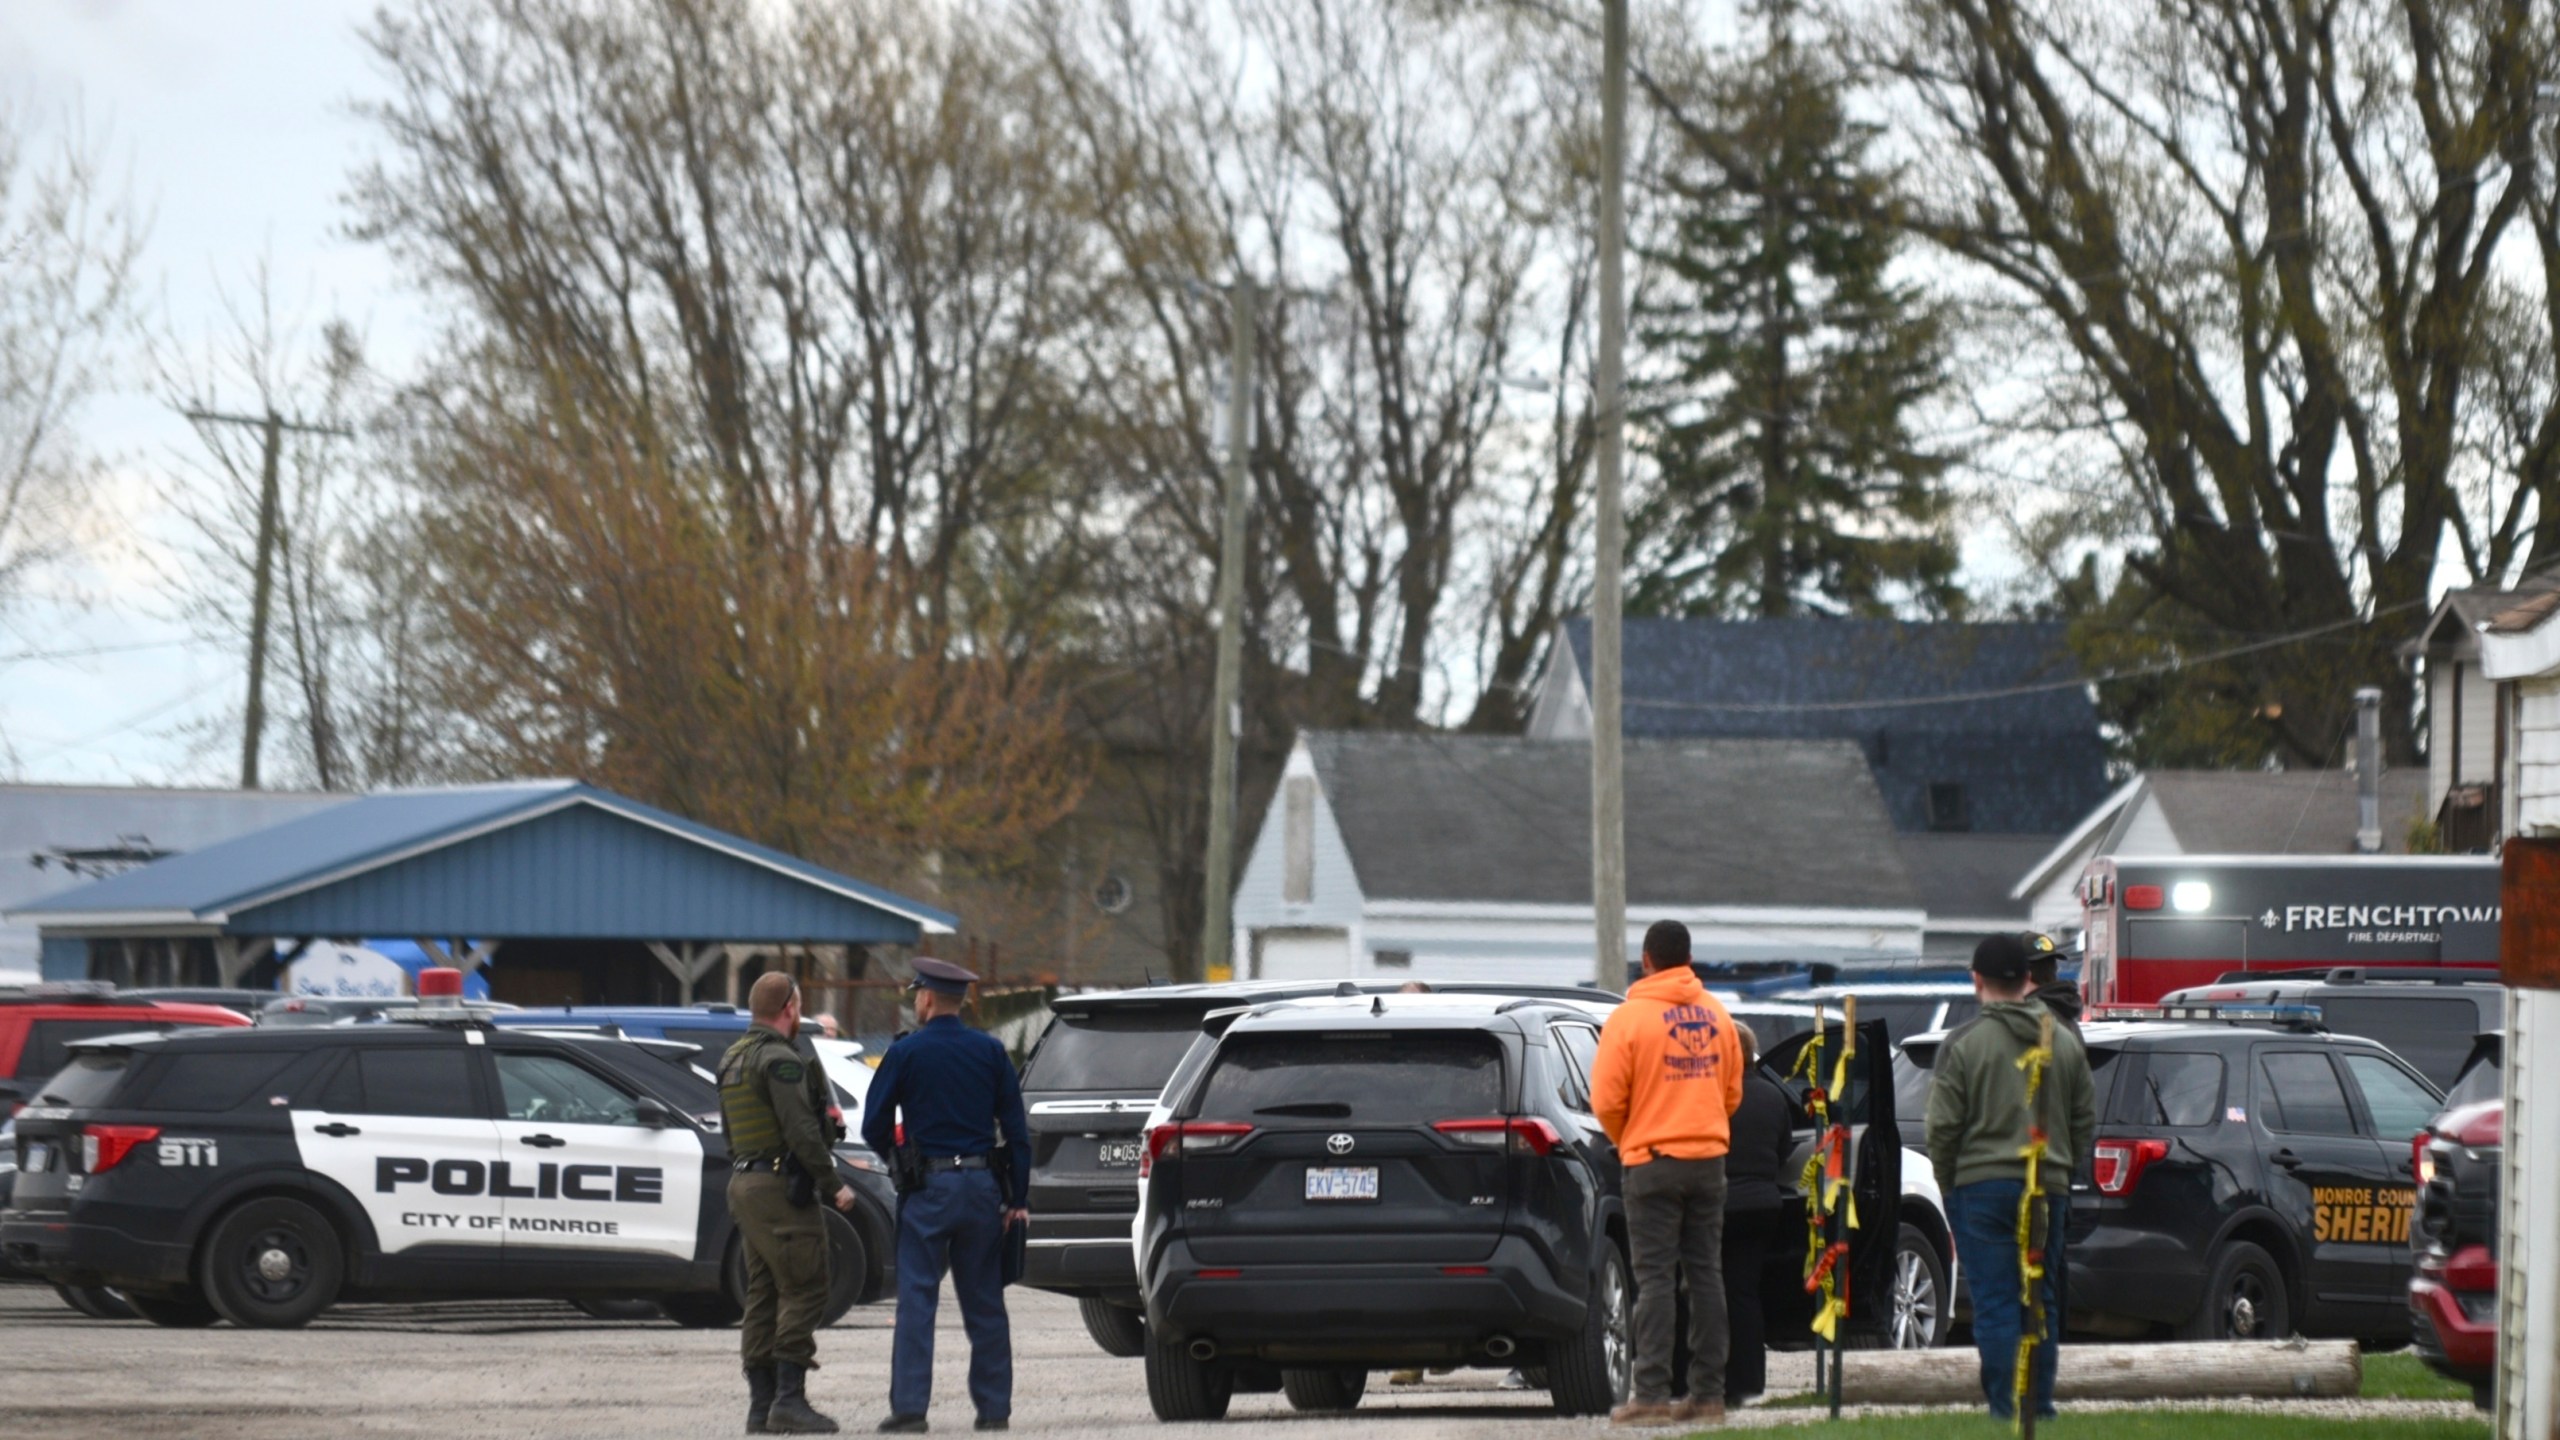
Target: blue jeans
{"points": [[1984, 1216], [955, 1223]]}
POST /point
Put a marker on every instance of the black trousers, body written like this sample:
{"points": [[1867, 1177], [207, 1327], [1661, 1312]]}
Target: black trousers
{"points": [[1749, 1238]]}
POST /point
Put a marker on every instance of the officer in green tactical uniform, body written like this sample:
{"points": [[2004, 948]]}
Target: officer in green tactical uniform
{"points": [[773, 1107]]}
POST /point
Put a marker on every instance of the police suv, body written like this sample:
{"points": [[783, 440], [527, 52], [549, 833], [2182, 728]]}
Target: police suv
{"points": [[2249, 1179], [261, 1175]]}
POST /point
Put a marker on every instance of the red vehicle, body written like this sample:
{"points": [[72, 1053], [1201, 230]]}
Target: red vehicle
{"points": [[2151, 926], [38, 1021], [2453, 1236]]}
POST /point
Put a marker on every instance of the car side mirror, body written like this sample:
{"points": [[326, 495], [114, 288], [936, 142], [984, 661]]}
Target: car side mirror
{"points": [[653, 1112]]}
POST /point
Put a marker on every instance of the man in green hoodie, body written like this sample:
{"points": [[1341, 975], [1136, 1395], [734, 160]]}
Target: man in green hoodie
{"points": [[1980, 1130]]}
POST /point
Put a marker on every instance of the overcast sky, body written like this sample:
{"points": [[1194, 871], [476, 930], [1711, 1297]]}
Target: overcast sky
{"points": [[230, 122]]}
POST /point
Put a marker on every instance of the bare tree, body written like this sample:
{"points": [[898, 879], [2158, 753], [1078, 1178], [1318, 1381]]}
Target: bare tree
{"points": [[2288, 265], [67, 251]]}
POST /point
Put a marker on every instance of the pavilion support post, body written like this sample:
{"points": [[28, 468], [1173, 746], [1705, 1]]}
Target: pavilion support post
{"points": [[235, 956], [688, 962]]}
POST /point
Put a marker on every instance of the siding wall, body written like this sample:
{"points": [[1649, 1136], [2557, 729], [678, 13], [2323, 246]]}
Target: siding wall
{"points": [[2529, 1257]]}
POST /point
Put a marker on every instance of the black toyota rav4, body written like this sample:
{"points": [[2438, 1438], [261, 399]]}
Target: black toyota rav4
{"points": [[260, 1175], [1089, 1084], [1378, 1181]]}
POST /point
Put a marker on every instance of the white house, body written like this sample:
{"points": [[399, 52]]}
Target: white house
{"points": [[2519, 650], [1433, 856]]}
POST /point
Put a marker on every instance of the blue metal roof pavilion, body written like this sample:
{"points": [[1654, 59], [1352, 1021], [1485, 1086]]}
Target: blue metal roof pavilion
{"points": [[536, 860]]}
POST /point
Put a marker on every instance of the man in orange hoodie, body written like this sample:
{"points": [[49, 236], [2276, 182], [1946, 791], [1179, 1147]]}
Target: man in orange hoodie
{"points": [[1665, 1087]]}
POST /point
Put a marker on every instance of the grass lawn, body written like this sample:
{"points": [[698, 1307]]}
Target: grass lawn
{"points": [[2406, 1377], [2137, 1425]]}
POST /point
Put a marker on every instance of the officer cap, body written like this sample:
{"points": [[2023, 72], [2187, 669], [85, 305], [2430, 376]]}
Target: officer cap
{"points": [[942, 977]]}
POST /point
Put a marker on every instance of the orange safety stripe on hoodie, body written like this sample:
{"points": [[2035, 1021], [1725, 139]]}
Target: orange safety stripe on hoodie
{"points": [[1669, 1076]]}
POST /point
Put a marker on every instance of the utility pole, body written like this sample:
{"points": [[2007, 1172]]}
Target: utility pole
{"points": [[271, 427], [1225, 720], [1608, 776]]}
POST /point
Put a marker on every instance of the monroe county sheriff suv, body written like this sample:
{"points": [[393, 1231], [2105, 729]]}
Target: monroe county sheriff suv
{"points": [[1345, 1185], [2250, 1178], [260, 1175]]}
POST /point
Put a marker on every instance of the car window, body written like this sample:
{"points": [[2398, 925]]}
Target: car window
{"points": [[549, 1089], [433, 1082], [1959, 1011], [87, 1081], [2400, 1106], [206, 1081], [2481, 1079], [2301, 1095], [1910, 1086], [1580, 1047], [1130, 1053], [48, 1041], [1903, 1015], [1371, 1078], [2179, 1088], [2432, 1033]]}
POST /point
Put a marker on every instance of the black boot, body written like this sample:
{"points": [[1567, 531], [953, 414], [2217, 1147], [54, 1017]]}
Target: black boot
{"points": [[904, 1425], [759, 1397], [791, 1414]]}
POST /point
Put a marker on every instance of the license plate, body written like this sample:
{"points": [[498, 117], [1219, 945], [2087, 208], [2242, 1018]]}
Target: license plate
{"points": [[1342, 1182], [1121, 1154], [38, 1158]]}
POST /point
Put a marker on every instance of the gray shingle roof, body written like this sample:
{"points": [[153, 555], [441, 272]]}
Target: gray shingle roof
{"points": [[2288, 812], [1709, 822], [1969, 877], [2028, 762]]}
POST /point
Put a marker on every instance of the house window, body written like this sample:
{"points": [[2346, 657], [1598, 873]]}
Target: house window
{"points": [[1395, 959], [1947, 808], [1298, 840]]}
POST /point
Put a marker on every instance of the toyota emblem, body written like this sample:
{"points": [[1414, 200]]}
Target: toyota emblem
{"points": [[1338, 1144]]}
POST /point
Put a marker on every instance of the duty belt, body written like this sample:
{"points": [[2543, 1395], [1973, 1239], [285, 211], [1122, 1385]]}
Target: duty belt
{"points": [[955, 1162], [777, 1164]]}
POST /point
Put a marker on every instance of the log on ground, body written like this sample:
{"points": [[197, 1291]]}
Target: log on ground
{"points": [[2197, 1370]]}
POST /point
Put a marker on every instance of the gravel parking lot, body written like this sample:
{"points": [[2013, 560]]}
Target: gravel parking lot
{"points": [[533, 1368]]}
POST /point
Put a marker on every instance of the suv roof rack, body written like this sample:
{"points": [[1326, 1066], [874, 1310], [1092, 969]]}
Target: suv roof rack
{"points": [[2359, 975]]}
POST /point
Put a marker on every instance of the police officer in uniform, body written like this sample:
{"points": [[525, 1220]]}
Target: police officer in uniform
{"points": [[954, 1087], [773, 1110]]}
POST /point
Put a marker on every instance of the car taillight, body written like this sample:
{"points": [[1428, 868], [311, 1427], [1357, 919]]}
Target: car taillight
{"points": [[1191, 1137], [2422, 1165], [103, 1147], [2114, 1165], [1521, 1135]]}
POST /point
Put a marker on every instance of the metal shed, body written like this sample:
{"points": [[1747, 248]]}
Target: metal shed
{"points": [[566, 880]]}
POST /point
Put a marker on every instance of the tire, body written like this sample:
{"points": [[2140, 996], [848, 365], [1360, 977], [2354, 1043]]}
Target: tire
{"points": [[183, 1310], [1918, 1314], [272, 1264], [95, 1301], [1324, 1389], [2245, 1300], [1594, 1371], [1180, 1388], [1119, 1330]]}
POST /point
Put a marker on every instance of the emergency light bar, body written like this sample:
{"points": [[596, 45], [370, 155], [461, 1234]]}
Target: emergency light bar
{"points": [[2301, 1015]]}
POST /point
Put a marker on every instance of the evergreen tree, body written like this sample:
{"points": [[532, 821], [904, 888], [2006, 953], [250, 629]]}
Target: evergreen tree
{"points": [[1788, 362]]}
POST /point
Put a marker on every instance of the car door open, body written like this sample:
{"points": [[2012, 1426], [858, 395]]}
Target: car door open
{"points": [[1865, 1103]]}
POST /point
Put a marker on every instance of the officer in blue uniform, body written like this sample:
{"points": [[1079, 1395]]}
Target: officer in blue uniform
{"points": [[952, 1087]]}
